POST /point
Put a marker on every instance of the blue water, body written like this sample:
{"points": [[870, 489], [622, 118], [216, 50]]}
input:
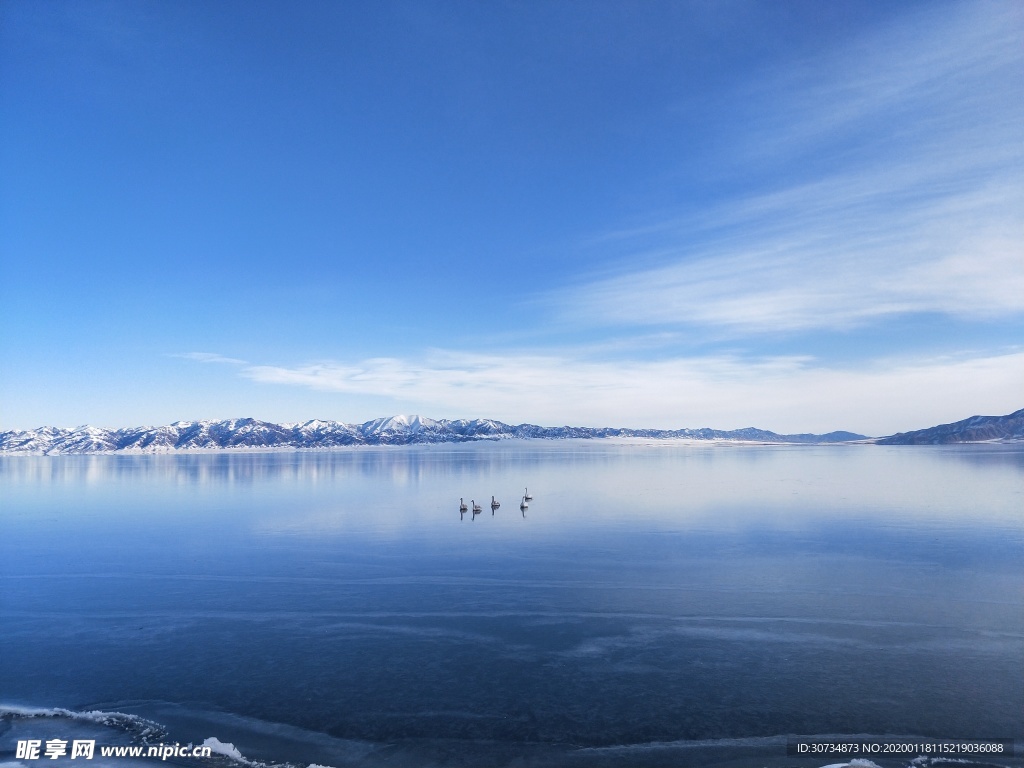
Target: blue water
{"points": [[654, 605]]}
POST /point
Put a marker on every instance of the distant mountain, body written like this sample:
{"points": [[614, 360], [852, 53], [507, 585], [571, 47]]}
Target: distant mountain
{"points": [[395, 430], [973, 430]]}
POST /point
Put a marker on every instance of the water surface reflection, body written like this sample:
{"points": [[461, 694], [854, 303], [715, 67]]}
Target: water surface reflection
{"points": [[650, 593]]}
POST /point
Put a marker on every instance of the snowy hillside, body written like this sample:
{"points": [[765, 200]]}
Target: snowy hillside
{"points": [[976, 429]]}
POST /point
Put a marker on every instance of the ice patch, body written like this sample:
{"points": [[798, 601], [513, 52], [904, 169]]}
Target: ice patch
{"points": [[145, 731], [229, 750], [219, 747]]}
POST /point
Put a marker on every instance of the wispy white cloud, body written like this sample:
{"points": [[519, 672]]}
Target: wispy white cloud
{"points": [[780, 393], [933, 79], [857, 262], [209, 357], [926, 214]]}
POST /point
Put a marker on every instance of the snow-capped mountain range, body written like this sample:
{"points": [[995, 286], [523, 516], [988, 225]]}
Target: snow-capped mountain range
{"points": [[395, 430]]}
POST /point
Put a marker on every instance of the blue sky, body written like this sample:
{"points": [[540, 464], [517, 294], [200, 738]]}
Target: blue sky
{"points": [[801, 216]]}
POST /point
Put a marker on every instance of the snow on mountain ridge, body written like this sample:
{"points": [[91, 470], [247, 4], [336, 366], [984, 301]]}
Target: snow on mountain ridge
{"points": [[394, 430]]}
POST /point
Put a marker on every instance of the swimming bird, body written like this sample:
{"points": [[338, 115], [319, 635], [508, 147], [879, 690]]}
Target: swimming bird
{"points": [[527, 496], [462, 505], [476, 507], [495, 504], [524, 503]]}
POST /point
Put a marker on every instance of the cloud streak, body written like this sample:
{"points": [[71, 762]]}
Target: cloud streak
{"points": [[911, 198], [930, 81], [210, 357], [790, 394], [847, 265]]}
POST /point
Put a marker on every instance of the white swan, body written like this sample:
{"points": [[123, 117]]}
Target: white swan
{"points": [[495, 504], [462, 505], [527, 496], [476, 507]]}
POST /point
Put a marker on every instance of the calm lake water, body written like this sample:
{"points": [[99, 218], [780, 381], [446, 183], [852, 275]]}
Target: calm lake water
{"points": [[663, 605]]}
